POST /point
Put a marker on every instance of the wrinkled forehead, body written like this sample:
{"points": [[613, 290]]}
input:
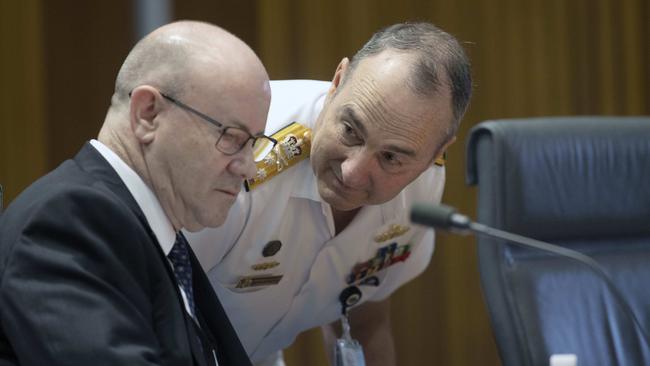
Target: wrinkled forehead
{"points": [[389, 78], [383, 101]]}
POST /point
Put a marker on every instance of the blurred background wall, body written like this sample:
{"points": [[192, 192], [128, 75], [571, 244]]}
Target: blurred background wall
{"points": [[59, 58]]}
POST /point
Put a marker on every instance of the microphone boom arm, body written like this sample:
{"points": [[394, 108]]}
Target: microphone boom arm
{"points": [[485, 230], [446, 218]]}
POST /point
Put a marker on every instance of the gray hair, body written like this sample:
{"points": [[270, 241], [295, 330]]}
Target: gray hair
{"points": [[435, 50]]}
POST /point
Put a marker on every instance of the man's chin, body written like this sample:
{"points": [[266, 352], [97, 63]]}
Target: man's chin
{"points": [[213, 221], [217, 221], [338, 202]]}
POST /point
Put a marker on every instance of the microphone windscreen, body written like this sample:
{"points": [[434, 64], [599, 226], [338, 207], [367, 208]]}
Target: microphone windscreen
{"points": [[438, 216]]}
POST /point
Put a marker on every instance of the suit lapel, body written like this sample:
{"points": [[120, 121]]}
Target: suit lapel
{"points": [[215, 322], [91, 161], [195, 342], [191, 342]]}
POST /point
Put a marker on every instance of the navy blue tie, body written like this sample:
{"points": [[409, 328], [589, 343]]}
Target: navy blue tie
{"points": [[180, 258]]}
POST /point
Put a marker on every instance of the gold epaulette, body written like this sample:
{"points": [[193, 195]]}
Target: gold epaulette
{"points": [[440, 161], [294, 145]]}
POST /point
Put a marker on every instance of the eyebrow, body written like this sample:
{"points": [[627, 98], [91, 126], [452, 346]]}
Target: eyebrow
{"points": [[350, 114], [401, 150]]}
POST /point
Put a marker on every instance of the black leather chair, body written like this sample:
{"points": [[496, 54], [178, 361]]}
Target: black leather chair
{"points": [[582, 183]]}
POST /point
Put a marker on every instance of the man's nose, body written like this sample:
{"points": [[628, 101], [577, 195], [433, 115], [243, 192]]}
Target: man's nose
{"points": [[356, 169], [243, 165]]}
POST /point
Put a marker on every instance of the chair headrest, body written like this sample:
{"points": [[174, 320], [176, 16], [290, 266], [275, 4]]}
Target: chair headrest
{"points": [[560, 177]]}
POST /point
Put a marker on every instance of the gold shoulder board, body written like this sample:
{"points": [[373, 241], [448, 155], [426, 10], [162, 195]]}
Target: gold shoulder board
{"points": [[294, 145]]}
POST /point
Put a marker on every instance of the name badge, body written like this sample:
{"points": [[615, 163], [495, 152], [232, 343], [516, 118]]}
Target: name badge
{"points": [[348, 352]]}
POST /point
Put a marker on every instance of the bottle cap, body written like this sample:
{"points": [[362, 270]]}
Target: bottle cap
{"points": [[564, 359]]}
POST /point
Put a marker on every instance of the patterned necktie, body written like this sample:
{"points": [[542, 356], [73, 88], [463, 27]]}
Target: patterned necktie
{"points": [[180, 258]]}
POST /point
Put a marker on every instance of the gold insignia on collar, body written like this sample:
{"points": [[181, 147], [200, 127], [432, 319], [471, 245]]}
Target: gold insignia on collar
{"points": [[294, 145], [393, 231]]}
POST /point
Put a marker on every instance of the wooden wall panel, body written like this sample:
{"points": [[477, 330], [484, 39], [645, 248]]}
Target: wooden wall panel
{"points": [[275, 38], [22, 129], [238, 17], [84, 45], [635, 62]]}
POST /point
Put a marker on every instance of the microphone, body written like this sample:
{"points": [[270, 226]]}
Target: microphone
{"points": [[440, 216], [447, 218]]}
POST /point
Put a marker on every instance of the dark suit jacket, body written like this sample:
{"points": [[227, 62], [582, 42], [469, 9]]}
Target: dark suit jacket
{"points": [[83, 280]]}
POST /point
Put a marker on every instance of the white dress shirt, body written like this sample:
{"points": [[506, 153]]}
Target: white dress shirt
{"points": [[148, 203]]}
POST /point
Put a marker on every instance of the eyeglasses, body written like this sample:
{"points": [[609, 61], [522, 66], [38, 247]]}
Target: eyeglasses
{"points": [[232, 139]]}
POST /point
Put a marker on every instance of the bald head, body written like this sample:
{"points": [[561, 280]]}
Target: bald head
{"points": [[172, 57], [179, 91]]}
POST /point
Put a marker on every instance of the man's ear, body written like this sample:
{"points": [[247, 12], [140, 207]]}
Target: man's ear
{"points": [[144, 106], [439, 158], [339, 75]]}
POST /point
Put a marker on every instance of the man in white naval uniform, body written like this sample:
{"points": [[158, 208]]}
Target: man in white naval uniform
{"points": [[328, 214]]}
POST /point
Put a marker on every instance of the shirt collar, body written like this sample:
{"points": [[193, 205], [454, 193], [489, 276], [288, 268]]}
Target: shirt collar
{"points": [[144, 197]]}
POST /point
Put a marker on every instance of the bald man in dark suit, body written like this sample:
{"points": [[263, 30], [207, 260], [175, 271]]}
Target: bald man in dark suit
{"points": [[93, 268]]}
